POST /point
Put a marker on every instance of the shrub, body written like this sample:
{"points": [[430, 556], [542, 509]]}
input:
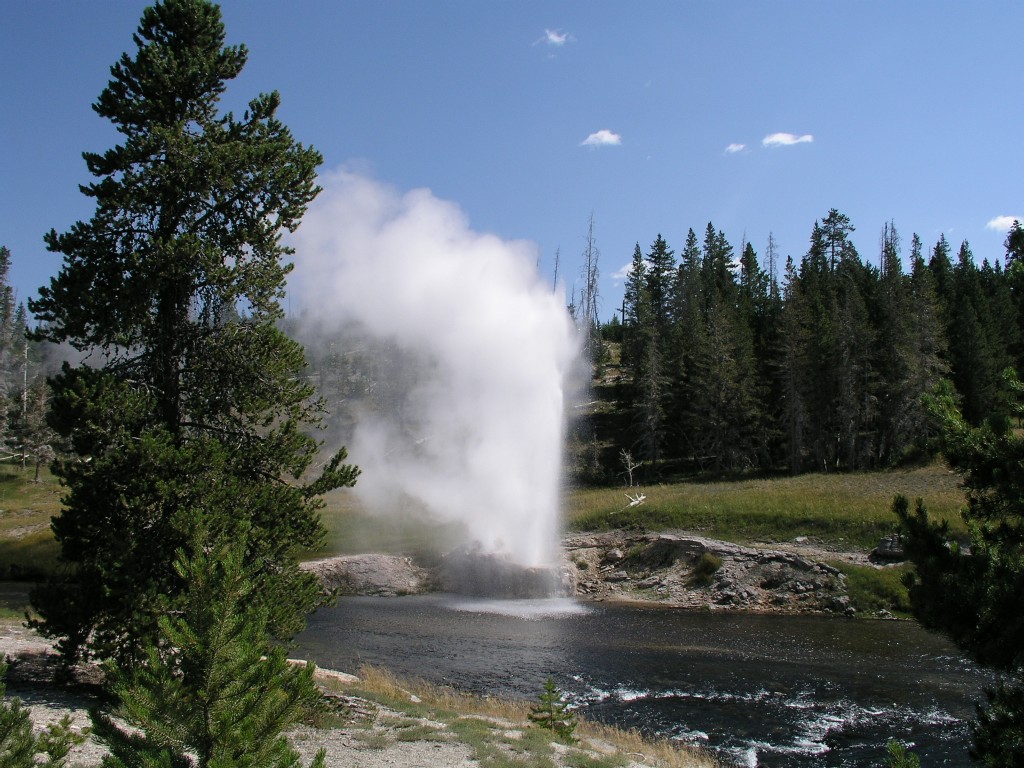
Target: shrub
{"points": [[707, 566]]}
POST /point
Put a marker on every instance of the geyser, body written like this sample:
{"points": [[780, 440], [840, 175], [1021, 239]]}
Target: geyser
{"points": [[481, 354]]}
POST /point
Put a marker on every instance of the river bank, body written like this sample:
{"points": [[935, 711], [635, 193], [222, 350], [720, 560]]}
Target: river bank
{"points": [[374, 721], [671, 568]]}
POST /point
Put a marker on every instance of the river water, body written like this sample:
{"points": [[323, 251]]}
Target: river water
{"points": [[760, 690]]}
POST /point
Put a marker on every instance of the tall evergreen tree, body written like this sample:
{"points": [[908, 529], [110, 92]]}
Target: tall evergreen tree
{"points": [[941, 267], [856, 406], [635, 314], [977, 357], [975, 593], [194, 408], [660, 274], [689, 343], [794, 369]]}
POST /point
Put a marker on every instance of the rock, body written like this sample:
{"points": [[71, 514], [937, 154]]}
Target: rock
{"points": [[373, 574], [663, 550], [889, 549], [617, 576], [614, 555], [839, 604]]}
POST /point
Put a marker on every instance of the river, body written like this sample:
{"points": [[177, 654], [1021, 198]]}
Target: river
{"points": [[760, 690]]}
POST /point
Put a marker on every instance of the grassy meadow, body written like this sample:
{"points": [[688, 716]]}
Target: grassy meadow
{"points": [[835, 511], [27, 548], [838, 510]]}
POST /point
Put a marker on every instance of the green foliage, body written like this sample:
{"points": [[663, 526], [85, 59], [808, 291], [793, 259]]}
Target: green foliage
{"points": [[20, 747], [552, 712], [974, 590], [707, 566], [728, 367], [877, 589], [899, 757], [999, 730], [212, 684], [197, 403]]}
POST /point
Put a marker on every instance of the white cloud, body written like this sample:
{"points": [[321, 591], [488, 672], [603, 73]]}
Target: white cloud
{"points": [[732, 149], [602, 138], [623, 272], [554, 37], [785, 139], [1002, 223]]}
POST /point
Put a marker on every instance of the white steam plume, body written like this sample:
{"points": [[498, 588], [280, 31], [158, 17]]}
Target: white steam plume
{"points": [[481, 431]]}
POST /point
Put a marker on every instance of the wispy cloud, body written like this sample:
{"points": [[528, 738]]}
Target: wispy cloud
{"points": [[554, 38], [785, 139], [602, 138], [622, 272], [1002, 223], [732, 149]]}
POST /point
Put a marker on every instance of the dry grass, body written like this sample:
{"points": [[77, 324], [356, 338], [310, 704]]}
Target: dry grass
{"points": [[418, 698]]}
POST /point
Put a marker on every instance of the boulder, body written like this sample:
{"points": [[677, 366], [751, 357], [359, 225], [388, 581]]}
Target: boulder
{"points": [[889, 549], [371, 574]]}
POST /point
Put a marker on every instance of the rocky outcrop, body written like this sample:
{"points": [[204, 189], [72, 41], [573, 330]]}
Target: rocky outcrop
{"points": [[373, 574], [695, 572], [671, 569]]}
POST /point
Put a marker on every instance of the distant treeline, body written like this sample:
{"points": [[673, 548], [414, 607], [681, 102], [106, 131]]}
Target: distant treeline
{"points": [[727, 365]]}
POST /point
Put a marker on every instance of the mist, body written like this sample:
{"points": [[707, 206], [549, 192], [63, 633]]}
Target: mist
{"points": [[482, 354]]}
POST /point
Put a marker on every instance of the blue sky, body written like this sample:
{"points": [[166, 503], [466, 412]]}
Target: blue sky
{"points": [[653, 117]]}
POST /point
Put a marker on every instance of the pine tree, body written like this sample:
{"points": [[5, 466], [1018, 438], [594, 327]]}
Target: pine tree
{"points": [[793, 368], [977, 353], [688, 343], [212, 685], [635, 313], [975, 593], [200, 402], [552, 712]]}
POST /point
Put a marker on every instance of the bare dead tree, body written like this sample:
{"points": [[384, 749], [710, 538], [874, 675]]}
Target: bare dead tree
{"points": [[588, 310]]}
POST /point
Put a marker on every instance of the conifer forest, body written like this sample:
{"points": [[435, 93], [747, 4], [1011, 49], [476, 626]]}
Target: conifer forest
{"points": [[723, 360]]}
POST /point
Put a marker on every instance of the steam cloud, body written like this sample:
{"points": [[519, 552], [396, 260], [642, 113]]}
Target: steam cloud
{"points": [[488, 350]]}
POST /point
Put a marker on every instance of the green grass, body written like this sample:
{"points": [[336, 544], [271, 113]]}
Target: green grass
{"points": [[27, 547], [845, 510], [877, 589], [841, 509]]}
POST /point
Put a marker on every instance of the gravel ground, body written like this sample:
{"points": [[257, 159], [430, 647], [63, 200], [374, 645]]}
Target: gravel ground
{"points": [[367, 743], [366, 736]]}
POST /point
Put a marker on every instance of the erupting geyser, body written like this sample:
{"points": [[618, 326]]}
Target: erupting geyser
{"points": [[474, 430]]}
